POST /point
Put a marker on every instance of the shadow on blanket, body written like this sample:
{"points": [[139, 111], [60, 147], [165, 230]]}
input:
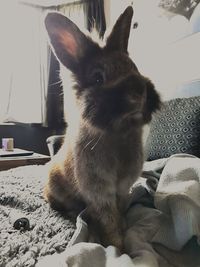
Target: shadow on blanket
{"points": [[163, 221]]}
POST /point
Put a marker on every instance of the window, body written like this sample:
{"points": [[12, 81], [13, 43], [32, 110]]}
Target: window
{"points": [[23, 64], [25, 56]]}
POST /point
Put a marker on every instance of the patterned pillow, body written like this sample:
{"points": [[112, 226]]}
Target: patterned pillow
{"points": [[175, 129]]}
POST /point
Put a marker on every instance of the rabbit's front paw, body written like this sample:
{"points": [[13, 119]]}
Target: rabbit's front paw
{"points": [[115, 240]]}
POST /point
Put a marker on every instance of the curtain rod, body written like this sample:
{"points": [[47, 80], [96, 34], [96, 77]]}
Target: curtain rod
{"points": [[52, 3]]}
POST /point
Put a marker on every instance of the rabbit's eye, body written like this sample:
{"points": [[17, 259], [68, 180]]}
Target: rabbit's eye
{"points": [[98, 78]]}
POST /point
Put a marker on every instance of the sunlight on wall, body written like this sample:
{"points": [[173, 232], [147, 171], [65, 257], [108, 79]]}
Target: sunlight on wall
{"points": [[161, 49], [159, 45]]}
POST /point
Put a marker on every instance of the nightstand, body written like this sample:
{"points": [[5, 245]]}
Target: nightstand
{"points": [[21, 160]]}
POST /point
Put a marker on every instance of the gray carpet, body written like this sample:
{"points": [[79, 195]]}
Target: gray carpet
{"points": [[21, 196]]}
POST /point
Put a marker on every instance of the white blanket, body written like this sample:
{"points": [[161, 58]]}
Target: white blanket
{"points": [[163, 222]]}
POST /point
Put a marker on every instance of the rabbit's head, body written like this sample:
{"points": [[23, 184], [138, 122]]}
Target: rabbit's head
{"points": [[109, 88]]}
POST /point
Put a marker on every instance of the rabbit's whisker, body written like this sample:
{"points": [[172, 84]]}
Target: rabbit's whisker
{"points": [[97, 142], [59, 82], [88, 144]]}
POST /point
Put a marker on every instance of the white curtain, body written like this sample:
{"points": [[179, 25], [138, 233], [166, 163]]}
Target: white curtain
{"points": [[25, 59], [75, 13], [23, 62]]}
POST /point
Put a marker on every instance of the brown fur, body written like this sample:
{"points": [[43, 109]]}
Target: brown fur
{"points": [[111, 101]]}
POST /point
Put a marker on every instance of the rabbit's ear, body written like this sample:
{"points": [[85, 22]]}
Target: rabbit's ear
{"points": [[118, 39], [68, 42], [153, 102]]}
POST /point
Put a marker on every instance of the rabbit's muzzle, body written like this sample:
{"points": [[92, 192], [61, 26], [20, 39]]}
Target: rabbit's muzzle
{"points": [[118, 104]]}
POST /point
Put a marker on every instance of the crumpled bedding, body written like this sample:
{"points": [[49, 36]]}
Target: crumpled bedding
{"points": [[163, 222]]}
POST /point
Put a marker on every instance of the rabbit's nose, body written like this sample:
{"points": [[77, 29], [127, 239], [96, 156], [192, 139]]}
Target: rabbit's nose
{"points": [[135, 99], [132, 101], [134, 84], [135, 103]]}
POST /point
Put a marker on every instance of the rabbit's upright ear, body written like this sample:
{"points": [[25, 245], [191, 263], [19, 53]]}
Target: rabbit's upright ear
{"points": [[118, 39], [68, 42], [153, 102]]}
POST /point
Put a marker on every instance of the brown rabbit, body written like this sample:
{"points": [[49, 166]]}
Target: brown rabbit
{"points": [[109, 103]]}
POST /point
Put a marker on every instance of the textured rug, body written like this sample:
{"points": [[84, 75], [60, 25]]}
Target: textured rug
{"points": [[45, 231]]}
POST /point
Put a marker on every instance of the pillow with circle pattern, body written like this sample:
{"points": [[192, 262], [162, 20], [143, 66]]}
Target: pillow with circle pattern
{"points": [[175, 129]]}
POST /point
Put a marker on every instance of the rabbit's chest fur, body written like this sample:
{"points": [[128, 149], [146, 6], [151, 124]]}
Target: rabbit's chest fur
{"points": [[107, 164]]}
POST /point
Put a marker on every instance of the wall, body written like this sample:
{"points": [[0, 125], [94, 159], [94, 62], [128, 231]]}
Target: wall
{"points": [[164, 46]]}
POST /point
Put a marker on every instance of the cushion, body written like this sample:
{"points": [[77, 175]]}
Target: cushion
{"points": [[175, 129]]}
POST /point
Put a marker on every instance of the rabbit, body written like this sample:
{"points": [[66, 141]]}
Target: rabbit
{"points": [[108, 105]]}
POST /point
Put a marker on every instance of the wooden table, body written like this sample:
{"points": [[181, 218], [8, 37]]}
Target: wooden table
{"points": [[16, 161]]}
